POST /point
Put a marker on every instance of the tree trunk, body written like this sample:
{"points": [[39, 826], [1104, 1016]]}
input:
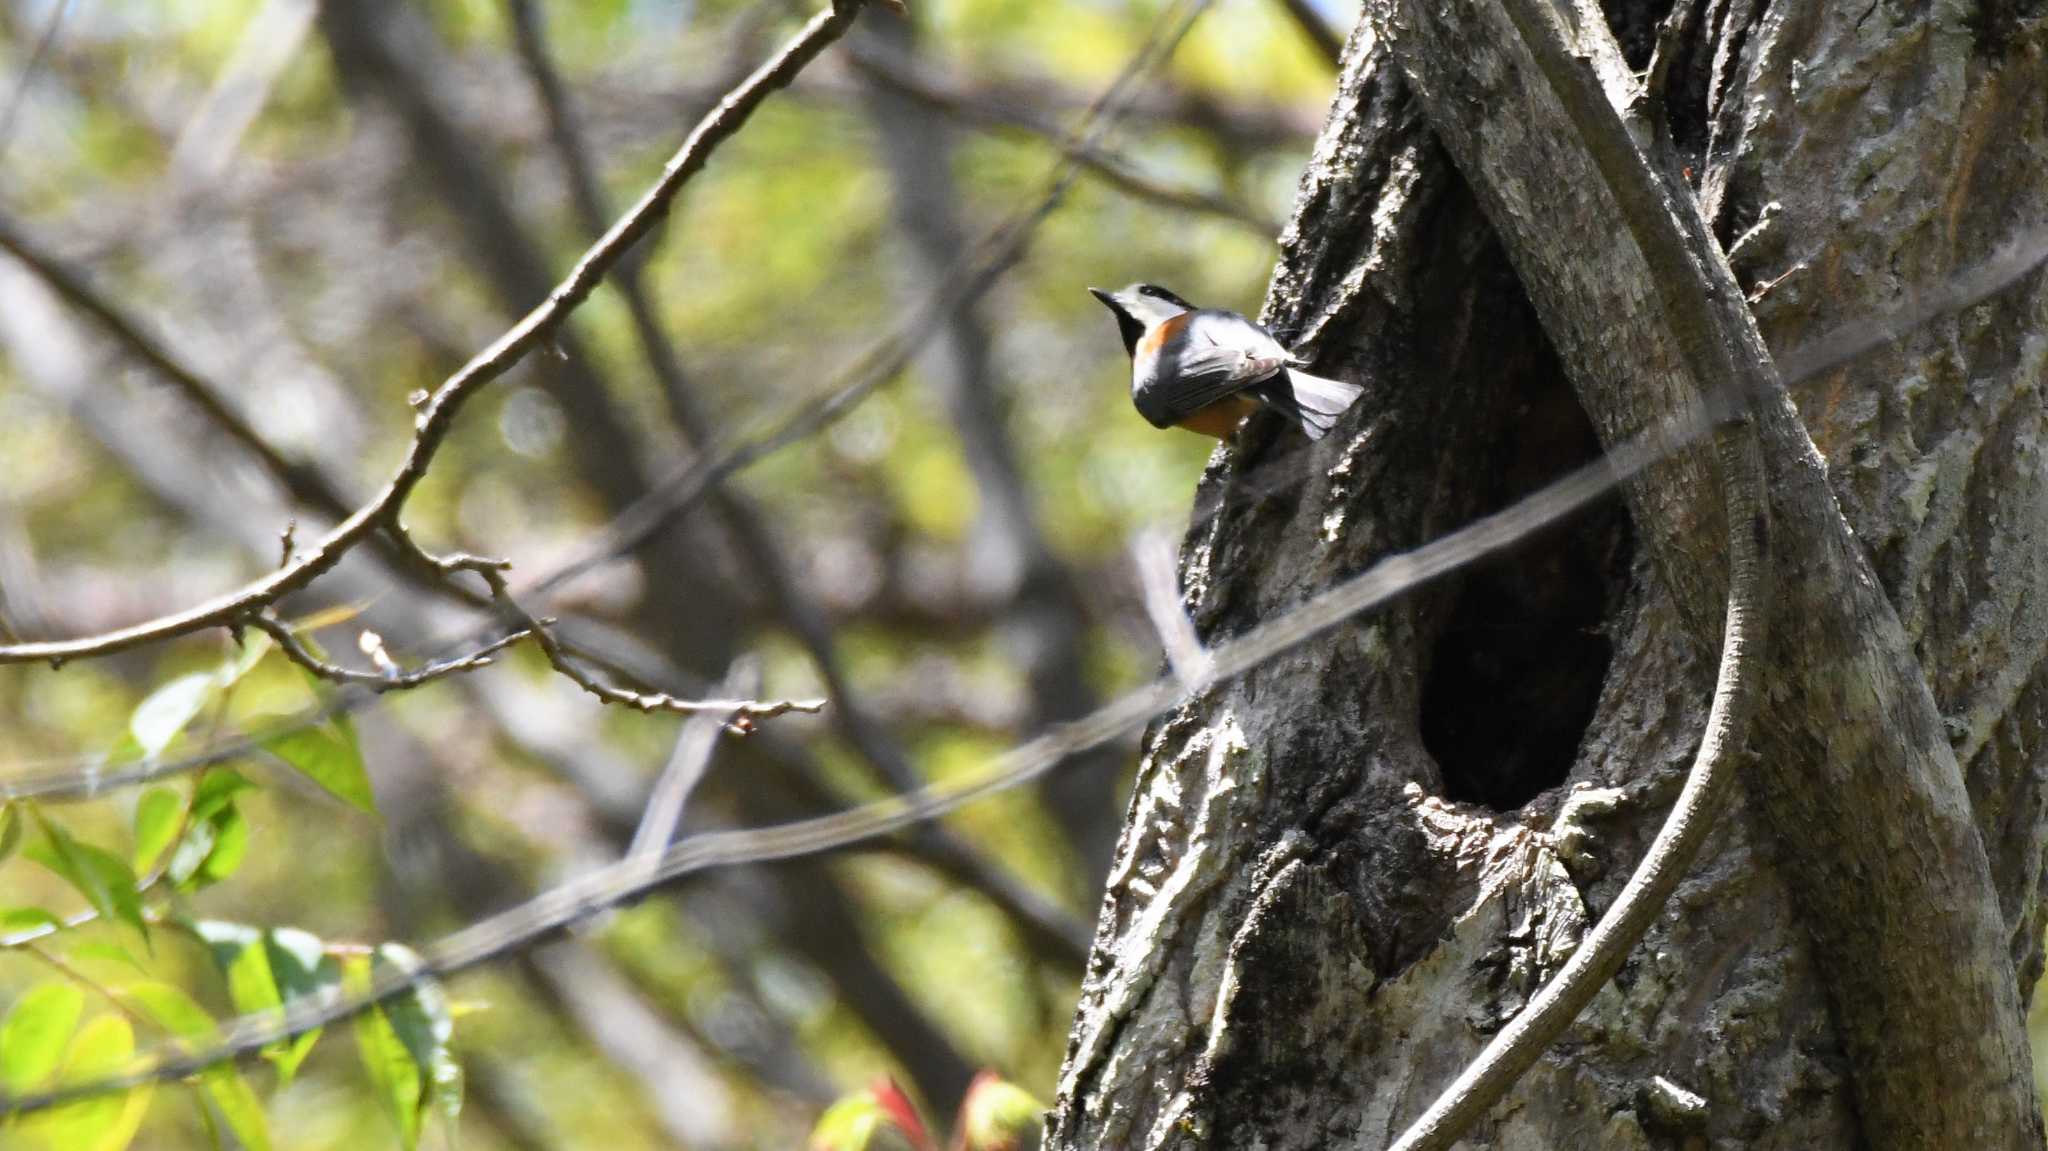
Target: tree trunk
{"points": [[1343, 871]]}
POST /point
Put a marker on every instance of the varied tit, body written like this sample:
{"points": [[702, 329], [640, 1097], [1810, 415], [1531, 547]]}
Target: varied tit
{"points": [[1205, 369]]}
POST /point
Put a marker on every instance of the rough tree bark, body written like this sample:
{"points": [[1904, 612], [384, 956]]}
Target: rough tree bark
{"points": [[1342, 872]]}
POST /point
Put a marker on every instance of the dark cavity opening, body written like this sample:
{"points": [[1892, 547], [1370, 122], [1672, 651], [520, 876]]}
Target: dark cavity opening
{"points": [[1521, 648]]}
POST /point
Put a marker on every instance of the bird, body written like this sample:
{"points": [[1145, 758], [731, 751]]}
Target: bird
{"points": [[1205, 369]]}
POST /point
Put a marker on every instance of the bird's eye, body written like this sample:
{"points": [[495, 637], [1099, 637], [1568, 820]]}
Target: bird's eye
{"points": [[1155, 293]]}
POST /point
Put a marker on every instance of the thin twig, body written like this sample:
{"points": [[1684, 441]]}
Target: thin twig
{"points": [[381, 680], [741, 714], [437, 415], [967, 107], [686, 768], [518, 928], [304, 483], [1049, 928], [977, 271], [78, 780]]}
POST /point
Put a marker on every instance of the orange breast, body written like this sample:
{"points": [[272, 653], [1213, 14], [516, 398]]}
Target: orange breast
{"points": [[1150, 343], [1222, 417]]}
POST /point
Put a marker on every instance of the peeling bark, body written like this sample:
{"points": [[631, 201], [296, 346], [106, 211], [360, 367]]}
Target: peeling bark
{"points": [[1315, 918]]}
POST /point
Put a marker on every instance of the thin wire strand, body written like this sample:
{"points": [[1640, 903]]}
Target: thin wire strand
{"points": [[520, 927], [2015, 259]]}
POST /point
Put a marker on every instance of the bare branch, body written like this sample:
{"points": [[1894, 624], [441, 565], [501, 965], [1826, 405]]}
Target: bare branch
{"points": [[686, 767], [2015, 258], [438, 413], [742, 714], [306, 484], [382, 680], [976, 272], [976, 109], [521, 927]]}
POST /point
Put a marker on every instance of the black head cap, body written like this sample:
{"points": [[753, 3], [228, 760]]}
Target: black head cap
{"points": [[1138, 306]]}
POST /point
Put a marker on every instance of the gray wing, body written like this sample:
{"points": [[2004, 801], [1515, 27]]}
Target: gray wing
{"points": [[1216, 355]]}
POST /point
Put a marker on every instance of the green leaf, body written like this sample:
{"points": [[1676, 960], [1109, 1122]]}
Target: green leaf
{"points": [[215, 789], [105, 1122], [158, 816], [192, 852], [393, 1074], [18, 920], [103, 878], [329, 755], [59, 852], [10, 829], [178, 1013], [420, 1016], [254, 646], [423, 1023], [237, 949], [33, 1036], [302, 970], [159, 718], [997, 1115], [269, 971], [230, 844], [404, 1043], [169, 1008], [171, 708], [216, 835], [239, 1105], [108, 952]]}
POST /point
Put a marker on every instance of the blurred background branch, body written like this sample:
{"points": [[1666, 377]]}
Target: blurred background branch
{"points": [[238, 242]]}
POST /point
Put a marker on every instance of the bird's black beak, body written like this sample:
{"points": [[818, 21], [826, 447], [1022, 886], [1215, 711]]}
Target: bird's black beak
{"points": [[1127, 325]]}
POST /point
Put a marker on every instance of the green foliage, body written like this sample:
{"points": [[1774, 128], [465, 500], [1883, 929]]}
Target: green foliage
{"points": [[780, 263], [102, 877], [877, 1119], [34, 1036], [269, 971], [10, 829], [159, 817], [215, 835], [165, 713], [997, 1115], [177, 1013], [16, 920], [300, 970], [104, 1123], [162, 717], [404, 1043], [328, 754]]}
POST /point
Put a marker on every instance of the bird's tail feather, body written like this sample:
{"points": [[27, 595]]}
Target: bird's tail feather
{"points": [[1318, 401]]}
